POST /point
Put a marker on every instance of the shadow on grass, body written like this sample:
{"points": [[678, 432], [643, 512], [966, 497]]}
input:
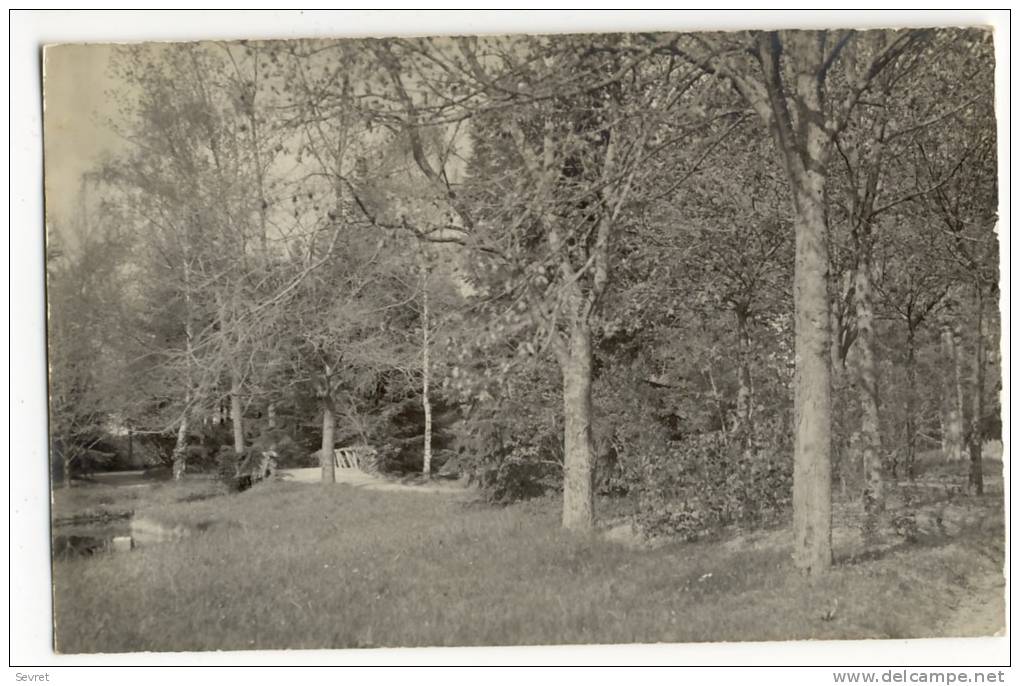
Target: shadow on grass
{"points": [[196, 497], [878, 551]]}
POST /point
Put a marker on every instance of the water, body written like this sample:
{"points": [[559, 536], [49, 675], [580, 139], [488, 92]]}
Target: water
{"points": [[79, 535], [84, 539], [105, 533]]}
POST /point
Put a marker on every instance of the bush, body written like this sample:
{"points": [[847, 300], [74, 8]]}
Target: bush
{"points": [[712, 480], [518, 473], [289, 453], [240, 473], [632, 426], [625, 441], [508, 461]]}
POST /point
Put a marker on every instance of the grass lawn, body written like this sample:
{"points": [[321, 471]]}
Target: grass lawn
{"points": [[307, 566]]}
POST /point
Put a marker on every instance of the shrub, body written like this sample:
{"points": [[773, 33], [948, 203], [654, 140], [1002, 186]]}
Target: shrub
{"points": [[518, 473], [240, 473], [624, 442], [711, 480], [631, 427], [257, 465], [289, 453], [507, 458]]}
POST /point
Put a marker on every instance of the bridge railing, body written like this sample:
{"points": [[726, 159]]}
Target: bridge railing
{"points": [[354, 457]]}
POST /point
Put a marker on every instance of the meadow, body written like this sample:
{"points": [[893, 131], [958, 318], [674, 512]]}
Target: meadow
{"points": [[289, 565]]}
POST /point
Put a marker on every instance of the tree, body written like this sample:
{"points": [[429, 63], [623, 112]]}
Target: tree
{"points": [[965, 209], [210, 178], [174, 179], [86, 283], [785, 77], [735, 255], [911, 289], [555, 161], [426, 369]]}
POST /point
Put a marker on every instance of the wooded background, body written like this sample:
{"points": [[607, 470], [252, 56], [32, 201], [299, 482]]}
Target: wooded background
{"points": [[731, 274]]}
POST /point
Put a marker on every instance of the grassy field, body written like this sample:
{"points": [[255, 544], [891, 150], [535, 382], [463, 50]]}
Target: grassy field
{"points": [[306, 566]]}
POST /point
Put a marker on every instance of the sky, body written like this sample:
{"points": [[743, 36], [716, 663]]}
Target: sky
{"points": [[76, 130]]}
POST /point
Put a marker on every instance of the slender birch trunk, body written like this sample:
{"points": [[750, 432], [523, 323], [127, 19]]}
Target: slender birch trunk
{"points": [[236, 412], [426, 372], [326, 454], [180, 454], [271, 414]]}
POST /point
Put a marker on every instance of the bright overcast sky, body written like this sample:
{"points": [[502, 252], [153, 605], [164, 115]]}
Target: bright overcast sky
{"points": [[76, 131]]}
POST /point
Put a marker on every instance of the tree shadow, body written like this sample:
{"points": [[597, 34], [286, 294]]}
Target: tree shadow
{"points": [[874, 552]]}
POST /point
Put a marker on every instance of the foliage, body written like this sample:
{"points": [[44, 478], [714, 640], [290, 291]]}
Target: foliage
{"points": [[709, 481], [262, 239], [509, 456], [241, 473], [509, 438], [287, 451]]}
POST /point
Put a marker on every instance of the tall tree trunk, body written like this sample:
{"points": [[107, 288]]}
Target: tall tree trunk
{"points": [[812, 452], [952, 393], [788, 95], [65, 457], [841, 453], [131, 447], [804, 145], [976, 479], [943, 412], [720, 409], [911, 426], [180, 454], [578, 451], [426, 372], [328, 427], [958, 380], [866, 382], [271, 414], [744, 399], [236, 412]]}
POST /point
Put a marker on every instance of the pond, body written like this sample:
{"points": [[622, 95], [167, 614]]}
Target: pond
{"points": [[83, 537], [97, 516]]}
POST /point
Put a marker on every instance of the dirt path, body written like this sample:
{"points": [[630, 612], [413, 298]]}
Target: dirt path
{"points": [[370, 482]]}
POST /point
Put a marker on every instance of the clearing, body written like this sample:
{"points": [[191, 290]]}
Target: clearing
{"points": [[295, 565]]}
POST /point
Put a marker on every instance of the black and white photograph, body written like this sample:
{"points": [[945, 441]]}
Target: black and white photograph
{"points": [[676, 336]]}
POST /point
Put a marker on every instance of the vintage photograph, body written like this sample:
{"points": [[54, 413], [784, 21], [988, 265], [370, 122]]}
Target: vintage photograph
{"points": [[498, 340]]}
